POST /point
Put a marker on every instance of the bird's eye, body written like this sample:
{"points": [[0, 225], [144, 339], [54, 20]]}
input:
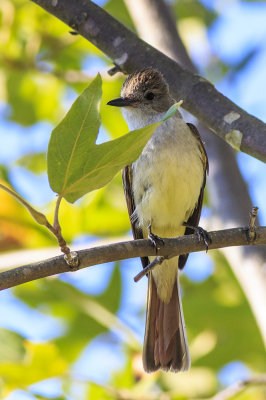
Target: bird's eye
{"points": [[149, 96]]}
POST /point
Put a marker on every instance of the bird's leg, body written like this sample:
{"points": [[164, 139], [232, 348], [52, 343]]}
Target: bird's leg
{"points": [[201, 233], [156, 241]]}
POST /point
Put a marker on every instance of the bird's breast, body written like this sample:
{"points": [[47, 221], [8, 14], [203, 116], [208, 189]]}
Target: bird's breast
{"points": [[167, 179]]}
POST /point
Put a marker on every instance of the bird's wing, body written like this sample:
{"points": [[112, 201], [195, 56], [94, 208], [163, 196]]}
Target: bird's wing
{"points": [[195, 217], [127, 176]]}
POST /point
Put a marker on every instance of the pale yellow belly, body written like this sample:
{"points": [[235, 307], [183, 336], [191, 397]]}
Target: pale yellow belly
{"points": [[167, 191]]}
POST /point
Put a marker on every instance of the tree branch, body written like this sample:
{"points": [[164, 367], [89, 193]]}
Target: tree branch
{"points": [[226, 119], [238, 387], [130, 249]]}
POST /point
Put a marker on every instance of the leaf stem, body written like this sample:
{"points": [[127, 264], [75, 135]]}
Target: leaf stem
{"points": [[56, 212], [70, 257]]}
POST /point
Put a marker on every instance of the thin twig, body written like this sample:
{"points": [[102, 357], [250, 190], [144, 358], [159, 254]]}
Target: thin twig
{"points": [[114, 70], [238, 387], [157, 261], [251, 230], [71, 257]]}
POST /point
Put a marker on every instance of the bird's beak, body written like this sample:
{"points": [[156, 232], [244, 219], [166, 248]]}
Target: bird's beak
{"points": [[121, 102]]}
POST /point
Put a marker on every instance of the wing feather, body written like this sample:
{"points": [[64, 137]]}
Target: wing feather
{"points": [[127, 176], [195, 217]]}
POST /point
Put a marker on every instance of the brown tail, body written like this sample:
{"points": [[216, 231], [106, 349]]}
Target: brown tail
{"points": [[165, 343]]}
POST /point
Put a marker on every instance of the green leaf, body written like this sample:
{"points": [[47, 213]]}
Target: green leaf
{"points": [[39, 217], [42, 361], [4, 173], [107, 298], [76, 165], [106, 160], [11, 346], [32, 98], [217, 307], [112, 118], [118, 10], [193, 9], [40, 397], [70, 140], [75, 308], [98, 392], [34, 162]]}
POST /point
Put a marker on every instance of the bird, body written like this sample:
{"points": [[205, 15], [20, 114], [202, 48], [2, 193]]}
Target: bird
{"points": [[164, 193]]}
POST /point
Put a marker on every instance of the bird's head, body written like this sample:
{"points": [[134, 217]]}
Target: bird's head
{"points": [[145, 89]]}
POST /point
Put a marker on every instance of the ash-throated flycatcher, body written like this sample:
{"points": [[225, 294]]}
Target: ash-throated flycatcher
{"points": [[164, 194]]}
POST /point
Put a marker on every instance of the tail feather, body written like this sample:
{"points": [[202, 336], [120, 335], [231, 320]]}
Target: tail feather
{"points": [[165, 343]]}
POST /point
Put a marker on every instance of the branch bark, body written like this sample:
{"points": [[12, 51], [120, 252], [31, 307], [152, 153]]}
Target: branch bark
{"points": [[226, 119], [129, 249]]}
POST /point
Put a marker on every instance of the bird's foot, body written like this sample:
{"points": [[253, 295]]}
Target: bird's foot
{"points": [[156, 241], [201, 234]]}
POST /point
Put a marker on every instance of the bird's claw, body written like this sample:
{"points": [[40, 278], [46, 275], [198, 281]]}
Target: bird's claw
{"points": [[202, 234], [156, 241]]}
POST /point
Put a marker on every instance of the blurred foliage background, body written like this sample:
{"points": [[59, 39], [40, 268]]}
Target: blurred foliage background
{"points": [[79, 336]]}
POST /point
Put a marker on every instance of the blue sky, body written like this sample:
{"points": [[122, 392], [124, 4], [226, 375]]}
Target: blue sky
{"points": [[239, 28]]}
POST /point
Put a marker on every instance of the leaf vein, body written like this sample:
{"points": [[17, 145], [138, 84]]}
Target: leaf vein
{"points": [[75, 144]]}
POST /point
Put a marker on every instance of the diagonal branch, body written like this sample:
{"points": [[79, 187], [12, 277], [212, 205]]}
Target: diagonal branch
{"points": [[240, 129], [130, 249], [238, 387]]}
